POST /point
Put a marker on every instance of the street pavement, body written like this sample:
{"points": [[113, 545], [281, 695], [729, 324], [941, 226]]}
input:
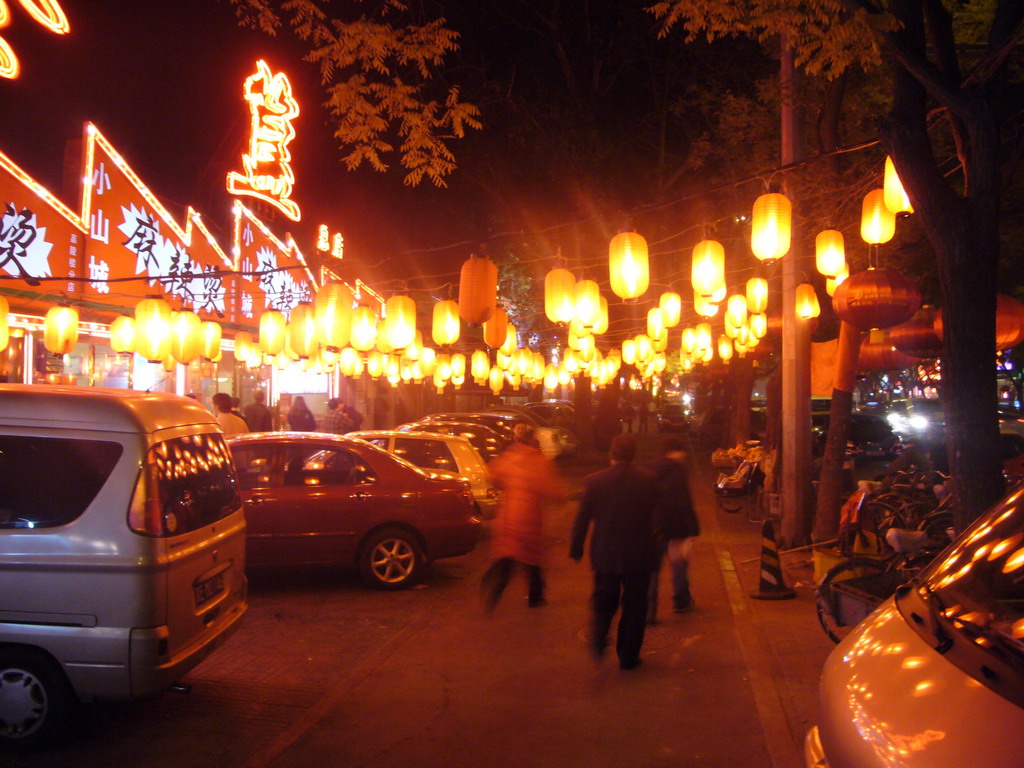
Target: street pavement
{"points": [[331, 674]]}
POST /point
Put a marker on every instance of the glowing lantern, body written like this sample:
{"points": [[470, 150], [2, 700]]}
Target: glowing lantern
{"points": [[877, 223], [186, 340], [644, 348], [758, 325], [413, 350], [332, 309], [445, 327], [272, 331], [479, 366], [478, 289], [550, 377], [496, 329], [169, 363], [496, 378], [629, 351], [428, 361], [757, 295], [559, 295], [833, 282], [671, 306], [364, 329], [523, 361], [627, 265], [876, 298], [443, 366], [401, 328], [587, 351], [587, 303], [60, 332], [349, 361], [511, 341], [703, 307], [374, 363], [770, 226], [570, 361], [707, 270], [502, 360], [302, 330], [689, 341], [153, 329], [830, 252], [564, 377], [703, 336], [807, 306], [245, 346], [893, 194], [383, 342], [122, 330], [660, 343], [458, 365], [655, 323], [725, 347], [601, 326], [736, 310], [210, 335]]}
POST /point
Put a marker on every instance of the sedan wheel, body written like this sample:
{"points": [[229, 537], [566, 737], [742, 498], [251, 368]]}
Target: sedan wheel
{"points": [[392, 559], [34, 699]]}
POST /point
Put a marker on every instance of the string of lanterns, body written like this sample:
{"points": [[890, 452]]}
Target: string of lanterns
{"points": [[333, 332]]}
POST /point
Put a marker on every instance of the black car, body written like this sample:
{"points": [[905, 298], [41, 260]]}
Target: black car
{"points": [[871, 436], [673, 418]]}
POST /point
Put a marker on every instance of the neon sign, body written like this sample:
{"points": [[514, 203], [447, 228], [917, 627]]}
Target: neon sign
{"points": [[326, 243], [267, 172], [46, 12]]}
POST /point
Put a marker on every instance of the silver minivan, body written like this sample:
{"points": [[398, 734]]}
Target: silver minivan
{"points": [[935, 677], [122, 549]]}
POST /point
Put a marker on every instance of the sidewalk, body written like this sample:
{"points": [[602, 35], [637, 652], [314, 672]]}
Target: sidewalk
{"points": [[732, 683]]}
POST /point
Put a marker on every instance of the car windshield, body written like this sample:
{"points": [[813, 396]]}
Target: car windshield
{"points": [[979, 582]]}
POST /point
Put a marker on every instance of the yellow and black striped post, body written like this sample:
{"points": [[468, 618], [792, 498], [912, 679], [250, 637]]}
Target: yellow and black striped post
{"points": [[773, 585]]}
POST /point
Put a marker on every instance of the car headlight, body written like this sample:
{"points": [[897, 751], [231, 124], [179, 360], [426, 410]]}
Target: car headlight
{"points": [[894, 419], [918, 422]]}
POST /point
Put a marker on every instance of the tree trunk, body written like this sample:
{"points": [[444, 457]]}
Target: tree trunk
{"points": [[584, 412], [741, 371], [830, 481]]}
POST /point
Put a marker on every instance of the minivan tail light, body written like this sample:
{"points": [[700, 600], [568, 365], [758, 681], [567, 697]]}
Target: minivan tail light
{"points": [[144, 515]]}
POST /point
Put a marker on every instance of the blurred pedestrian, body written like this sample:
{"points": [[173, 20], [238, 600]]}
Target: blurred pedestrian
{"points": [[529, 482], [643, 412], [620, 502], [675, 526], [335, 419], [628, 412], [300, 418], [230, 424], [257, 415], [355, 418]]}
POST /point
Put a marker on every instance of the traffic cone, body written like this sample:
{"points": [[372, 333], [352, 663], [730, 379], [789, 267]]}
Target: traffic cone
{"points": [[773, 585]]}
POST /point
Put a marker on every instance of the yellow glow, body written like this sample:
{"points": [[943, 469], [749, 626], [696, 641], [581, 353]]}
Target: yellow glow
{"points": [[707, 268], [8, 61], [364, 329], [770, 226], [671, 306], [401, 326], [587, 303], [830, 252], [267, 172], [895, 196], [49, 14], [5, 14], [725, 347], [736, 310], [655, 323], [273, 326], [878, 223], [122, 334], [185, 336], [323, 238], [511, 341], [757, 295], [211, 334], [807, 305], [61, 330], [601, 326], [445, 326], [559, 295], [1015, 561], [628, 265]]}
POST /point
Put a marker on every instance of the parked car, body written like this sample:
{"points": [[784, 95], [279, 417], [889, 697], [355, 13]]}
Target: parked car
{"points": [[552, 442], [673, 418], [935, 676], [918, 420], [487, 441], [320, 498], [122, 549], [449, 454], [563, 440], [870, 436], [557, 413]]}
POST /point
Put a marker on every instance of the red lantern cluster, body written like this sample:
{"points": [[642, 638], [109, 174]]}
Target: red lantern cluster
{"points": [[917, 336], [1009, 322]]}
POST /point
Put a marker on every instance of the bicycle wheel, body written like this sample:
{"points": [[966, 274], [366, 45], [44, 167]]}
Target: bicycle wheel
{"points": [[827, 602]]}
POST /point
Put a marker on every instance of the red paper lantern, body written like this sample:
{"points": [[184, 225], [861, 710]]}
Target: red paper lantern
{"points": [[1009, 322], [883, 356], [917, 336], [876, 298], [478, 289]]}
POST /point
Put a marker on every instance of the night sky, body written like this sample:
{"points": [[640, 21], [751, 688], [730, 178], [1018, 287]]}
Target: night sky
{"points": [[163, 81]]}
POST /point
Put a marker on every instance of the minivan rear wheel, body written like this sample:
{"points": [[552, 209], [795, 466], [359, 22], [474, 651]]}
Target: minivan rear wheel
{"points": [[35, 699], [391, 559]]}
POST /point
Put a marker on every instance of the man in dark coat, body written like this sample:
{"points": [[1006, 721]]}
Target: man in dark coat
{"points": [[675, 525], [620, 501]]}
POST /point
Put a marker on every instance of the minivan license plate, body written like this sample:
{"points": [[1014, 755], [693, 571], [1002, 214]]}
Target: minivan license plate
{"points": [[205, 590]]}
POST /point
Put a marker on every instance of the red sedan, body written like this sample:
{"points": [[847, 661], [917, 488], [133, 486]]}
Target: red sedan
{"points": [[320, 498]]}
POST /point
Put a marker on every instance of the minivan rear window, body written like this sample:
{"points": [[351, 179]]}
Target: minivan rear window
{"points": [[46, 482], [191, 483]]}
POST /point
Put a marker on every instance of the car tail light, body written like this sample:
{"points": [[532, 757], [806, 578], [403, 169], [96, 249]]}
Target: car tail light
{"points": [[144, 514]]}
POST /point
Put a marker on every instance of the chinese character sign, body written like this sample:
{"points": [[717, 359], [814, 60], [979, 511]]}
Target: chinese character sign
{"points": [[267, 172], [39, 236]]}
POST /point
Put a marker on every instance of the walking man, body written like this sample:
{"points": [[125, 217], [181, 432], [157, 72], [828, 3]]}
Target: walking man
{"points": [[257, 415], [620, 502], [675, 526]]}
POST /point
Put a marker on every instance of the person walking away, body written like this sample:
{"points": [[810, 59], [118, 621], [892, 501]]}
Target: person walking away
{"points": [[355, 418], [620, 502], [335, 420], [300, 418], [529, 482], [628, 412], [257, 414], [675, 526], [643, 412], [230, 424]]}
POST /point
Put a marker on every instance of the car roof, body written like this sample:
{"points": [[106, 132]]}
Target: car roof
{"points": [[366, 434], [99, 409]]}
